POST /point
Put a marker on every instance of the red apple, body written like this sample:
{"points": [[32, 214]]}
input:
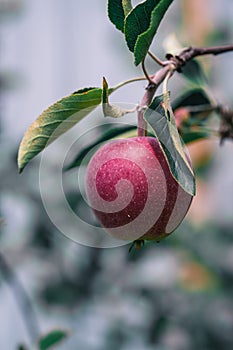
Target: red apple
{"points": [[132, 192]]}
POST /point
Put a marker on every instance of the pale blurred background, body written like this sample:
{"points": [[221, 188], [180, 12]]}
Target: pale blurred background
{"points": [[176, 295]]}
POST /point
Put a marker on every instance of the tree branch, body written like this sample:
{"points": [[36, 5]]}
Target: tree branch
{"points": [[200, 51], [173, 64]]}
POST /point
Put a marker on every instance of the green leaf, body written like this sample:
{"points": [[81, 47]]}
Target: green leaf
{"points": [[194, 97], [160, 117], [21, 347], [138, 21], [191, 135], [127, 6], [141, 25], [145, 39], [53, 338], [112, 110], [55, 121], [194, 72], [197, 105], [117, 10], [113, 132]]}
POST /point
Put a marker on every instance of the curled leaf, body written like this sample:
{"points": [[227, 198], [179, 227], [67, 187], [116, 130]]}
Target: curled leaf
{"points": [[112, 110]]}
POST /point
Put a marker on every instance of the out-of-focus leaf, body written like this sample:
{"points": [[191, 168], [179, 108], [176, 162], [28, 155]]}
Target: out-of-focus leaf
{"points": [[117, 10], [114, 132], [141, 25], [51, 339], [194, 97], [192, 129], [126, 134], [197, 106], [193, 71], [192, 134], [56, 120], [21, 347], [160, 117], [112, 110]]}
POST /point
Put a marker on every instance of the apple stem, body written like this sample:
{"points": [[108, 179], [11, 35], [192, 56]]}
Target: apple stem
{"points": [[142, 125], [151, 88]]}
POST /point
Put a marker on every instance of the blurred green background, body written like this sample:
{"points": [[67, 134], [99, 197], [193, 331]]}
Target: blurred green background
{"points": [[176, 295]]}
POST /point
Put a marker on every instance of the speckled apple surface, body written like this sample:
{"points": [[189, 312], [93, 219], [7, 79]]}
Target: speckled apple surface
{"points": [[132, 192]]}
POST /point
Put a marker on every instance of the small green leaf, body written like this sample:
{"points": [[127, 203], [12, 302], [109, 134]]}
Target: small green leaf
{"points": [[141, 25], [117, 10], [160, 117], [112, 110], [63, 115], [113, 132], [53, 338]]}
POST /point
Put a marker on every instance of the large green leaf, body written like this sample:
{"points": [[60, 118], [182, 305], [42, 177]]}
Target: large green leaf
{"points": [[56, 120], [138, 21], [51, 339], [145, 39], [117, 10], [160, 117], [141, 25]]}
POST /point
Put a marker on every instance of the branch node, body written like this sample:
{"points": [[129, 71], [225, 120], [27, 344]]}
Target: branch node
{"points": [[177, 61]]}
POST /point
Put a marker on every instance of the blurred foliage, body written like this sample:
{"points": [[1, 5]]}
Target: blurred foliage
{"points": [[51, 339], [180, 289]]}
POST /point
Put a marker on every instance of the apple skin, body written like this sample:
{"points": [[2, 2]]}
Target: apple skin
{"points": [[132, 192]]}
